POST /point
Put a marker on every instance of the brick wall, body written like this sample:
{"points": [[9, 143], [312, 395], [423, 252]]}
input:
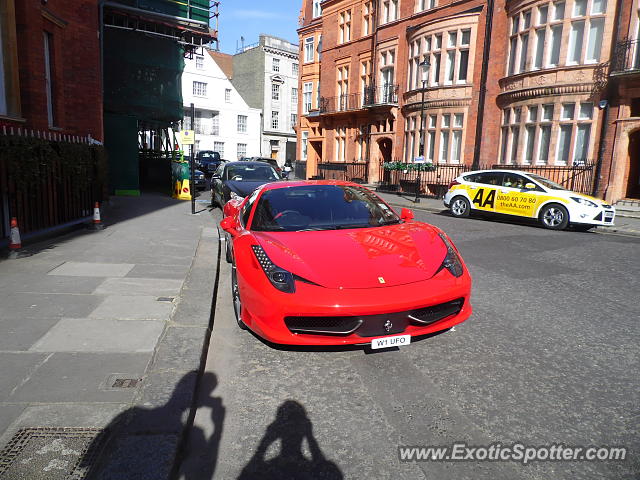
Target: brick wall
{"points": [[74, 29]]}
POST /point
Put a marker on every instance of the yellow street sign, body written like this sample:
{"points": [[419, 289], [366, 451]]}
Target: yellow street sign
{"points": [[187, 137]]}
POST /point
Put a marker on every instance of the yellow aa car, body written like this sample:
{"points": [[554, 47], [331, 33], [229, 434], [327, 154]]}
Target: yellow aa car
{"points": [[527, 195]]}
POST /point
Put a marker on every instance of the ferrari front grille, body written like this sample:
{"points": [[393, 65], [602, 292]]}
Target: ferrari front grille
{"points": [[323, 325], [428, 315]]}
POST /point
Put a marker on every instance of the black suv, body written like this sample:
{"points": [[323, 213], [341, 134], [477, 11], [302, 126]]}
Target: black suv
{"points": [[208, 161]]}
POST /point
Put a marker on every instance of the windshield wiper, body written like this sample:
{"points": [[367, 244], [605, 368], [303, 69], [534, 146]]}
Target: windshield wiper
{"points": [[354, 225]]}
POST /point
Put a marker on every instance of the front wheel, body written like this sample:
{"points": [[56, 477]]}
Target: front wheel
{"points": [[554, 217], [235, 294], [460, 207]]}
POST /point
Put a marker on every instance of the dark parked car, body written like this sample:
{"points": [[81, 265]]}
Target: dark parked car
{"points": [[239, 179], [271, 161], [199, 180], [208, 161]]}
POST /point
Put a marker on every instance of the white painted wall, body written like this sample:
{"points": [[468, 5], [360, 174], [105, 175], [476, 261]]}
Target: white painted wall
{"points": [[217, 83]]}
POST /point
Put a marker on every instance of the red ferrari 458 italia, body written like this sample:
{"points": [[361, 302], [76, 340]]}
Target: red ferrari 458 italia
{"points": [[330, 263]]}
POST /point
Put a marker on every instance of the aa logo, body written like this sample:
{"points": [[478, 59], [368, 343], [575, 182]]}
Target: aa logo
{"points": [[482, 201]]}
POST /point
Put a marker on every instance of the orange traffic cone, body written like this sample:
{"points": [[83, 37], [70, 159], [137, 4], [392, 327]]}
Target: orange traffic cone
{"points": [[15, 243], [97, 222]]}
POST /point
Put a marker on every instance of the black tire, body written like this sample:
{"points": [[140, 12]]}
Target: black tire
{"points": [[460, 207], [554, 217], [227, 250], [235, 297]]}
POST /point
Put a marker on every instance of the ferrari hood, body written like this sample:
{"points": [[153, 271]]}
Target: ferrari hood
{"points": [[358, 258]]}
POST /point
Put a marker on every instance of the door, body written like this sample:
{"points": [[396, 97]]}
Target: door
{"points": [[483, 190], [514, 199], [633, 185]]}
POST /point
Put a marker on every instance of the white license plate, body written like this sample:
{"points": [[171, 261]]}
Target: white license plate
{"points": [[388, 342]]}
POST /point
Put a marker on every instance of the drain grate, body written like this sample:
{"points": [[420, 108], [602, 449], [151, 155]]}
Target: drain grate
{"points": [[51, 453], [125, 383], [165, 299]]}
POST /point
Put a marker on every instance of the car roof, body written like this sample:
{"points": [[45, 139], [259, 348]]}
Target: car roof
{"points": [[497, 170], [252, 163]]}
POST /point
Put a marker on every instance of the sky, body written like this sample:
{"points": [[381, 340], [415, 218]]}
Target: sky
{"points": [[250, 18]]}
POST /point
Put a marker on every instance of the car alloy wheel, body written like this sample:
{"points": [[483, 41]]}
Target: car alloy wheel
{"points": [[235, 294], [460, 207], [554, 217]]}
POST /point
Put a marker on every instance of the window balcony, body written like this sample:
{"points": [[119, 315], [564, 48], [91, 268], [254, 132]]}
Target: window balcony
{"points": [[626, 58], [341, 103], [380, 95]]}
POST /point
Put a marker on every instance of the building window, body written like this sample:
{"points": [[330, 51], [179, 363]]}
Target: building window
{"points": [[389, 11], [442, 141], [527, 137], [307, 92], [275, 65], [344, 26], [387, 76], [308, 49], [199, 62], [305, 142], [365, 80], [275, 91], [294, 120], [294, 69], [219, 147], [341, 144], [454, 53], [537, 35], [343, 88], [215, 123], [227, 95], [317, 10], [199, 89], [48, 77], [294, 95], [198, 124], [366, 17], [275, 119], [242, 150], [242, 124], [426, 5]]}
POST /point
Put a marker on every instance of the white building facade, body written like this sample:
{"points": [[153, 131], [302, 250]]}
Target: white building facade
{"points": [[267, 76], [223, 121]]}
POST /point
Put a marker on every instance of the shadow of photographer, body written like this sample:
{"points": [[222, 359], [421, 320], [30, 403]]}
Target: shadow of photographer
{"points": [[290, 428]]}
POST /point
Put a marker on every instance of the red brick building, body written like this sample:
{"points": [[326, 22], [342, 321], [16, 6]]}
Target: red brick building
{"points": [[50, 77], [519, 83]]}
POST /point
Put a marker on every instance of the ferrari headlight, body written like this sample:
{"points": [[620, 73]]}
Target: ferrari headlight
{"points": [[279, 277], [585, 201], [452, 260], [235, 196]]}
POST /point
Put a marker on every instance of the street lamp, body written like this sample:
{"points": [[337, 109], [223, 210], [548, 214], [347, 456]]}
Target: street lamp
{"points": [[424, 67]]}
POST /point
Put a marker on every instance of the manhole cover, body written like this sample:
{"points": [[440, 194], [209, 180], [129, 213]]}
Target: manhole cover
{"points": [[51, 453]]}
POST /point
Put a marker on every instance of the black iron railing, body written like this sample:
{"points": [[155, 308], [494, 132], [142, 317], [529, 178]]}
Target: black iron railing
{"points": [[385, 94], [578, 178], [626, 56], [300, 169], [341, 103], [349, 171]]}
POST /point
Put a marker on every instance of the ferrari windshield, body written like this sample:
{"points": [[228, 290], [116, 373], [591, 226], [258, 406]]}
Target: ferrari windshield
{"points": [[320, 207], [251, 173]]}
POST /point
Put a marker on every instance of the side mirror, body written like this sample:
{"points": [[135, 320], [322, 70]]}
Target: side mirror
{"points": [[230, 226], [406, 214], [215, 177], [529, 186]]}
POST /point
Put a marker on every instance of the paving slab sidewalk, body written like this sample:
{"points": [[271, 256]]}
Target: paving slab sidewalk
{"points": [[104, 332], [627, 225]]}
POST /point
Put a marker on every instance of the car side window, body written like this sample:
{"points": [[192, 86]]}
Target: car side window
{"points": [[246, 209], [220, 171], [513, 180], [489, 178]]}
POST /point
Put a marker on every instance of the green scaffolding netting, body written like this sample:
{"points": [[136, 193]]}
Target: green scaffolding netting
{"points": [[193, 9], [142, 77]]}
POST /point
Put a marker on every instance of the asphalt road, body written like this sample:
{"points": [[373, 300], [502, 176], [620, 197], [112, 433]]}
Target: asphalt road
{"points": [[550, 356]]}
